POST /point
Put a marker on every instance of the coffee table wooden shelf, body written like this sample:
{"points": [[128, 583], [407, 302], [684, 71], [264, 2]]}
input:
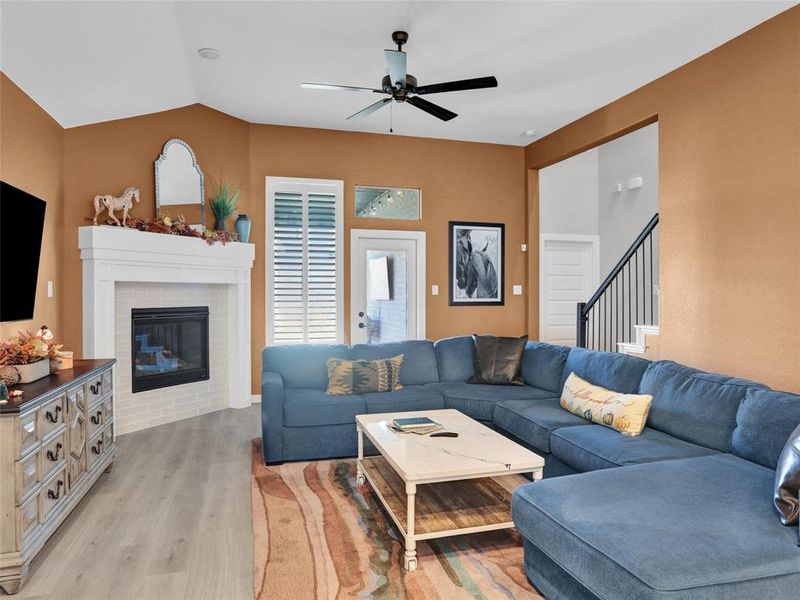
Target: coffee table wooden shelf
{"points": [[438, 487]]}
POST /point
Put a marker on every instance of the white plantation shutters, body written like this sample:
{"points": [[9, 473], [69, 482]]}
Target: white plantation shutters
{"points": [[304, 261]]}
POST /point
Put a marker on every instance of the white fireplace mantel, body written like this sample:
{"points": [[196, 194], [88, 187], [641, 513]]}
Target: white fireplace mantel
{"points": [[112, 254]]}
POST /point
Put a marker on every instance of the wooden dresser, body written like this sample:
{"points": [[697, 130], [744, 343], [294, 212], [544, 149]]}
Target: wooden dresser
{"points": [[55, 442]]}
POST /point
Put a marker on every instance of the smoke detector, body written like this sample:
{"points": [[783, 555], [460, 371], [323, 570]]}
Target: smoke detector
{"points": [[208, 53]]}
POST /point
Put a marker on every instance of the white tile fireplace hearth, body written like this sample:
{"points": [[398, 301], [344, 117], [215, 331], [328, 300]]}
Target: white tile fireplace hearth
{"points": [[126, 268]]}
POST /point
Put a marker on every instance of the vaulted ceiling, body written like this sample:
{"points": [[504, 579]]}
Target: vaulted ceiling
{"points": [[86, 62]]}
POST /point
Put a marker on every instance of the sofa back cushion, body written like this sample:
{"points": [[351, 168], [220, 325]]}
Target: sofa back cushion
{"points": [[764, 422], [302, 365], [419, 359], [693, 405], [543, 364], [455, 357], [610, 370]]}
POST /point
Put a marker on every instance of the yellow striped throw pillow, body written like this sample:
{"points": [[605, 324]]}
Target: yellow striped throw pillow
{"points": [[627, 413], [362, 376]]}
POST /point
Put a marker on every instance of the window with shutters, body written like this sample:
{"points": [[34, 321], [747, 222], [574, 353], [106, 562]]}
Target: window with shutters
{"points": [[304, 261]]}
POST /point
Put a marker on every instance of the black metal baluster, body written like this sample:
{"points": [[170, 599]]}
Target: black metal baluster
{"points": [[636, 287], [652, 314]]}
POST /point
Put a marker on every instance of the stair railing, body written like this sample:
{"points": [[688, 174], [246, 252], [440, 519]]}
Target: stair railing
{"points": [[626, 298]]}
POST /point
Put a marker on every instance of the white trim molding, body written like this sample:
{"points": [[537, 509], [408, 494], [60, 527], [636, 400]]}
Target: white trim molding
{"points": [[114, 254]]}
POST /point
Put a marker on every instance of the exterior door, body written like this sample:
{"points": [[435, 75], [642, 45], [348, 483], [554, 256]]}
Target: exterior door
{"points": [[568, 272], [387, 286]]}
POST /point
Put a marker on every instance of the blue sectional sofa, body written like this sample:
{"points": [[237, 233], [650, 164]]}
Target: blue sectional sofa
{"points": [[682, 511]]}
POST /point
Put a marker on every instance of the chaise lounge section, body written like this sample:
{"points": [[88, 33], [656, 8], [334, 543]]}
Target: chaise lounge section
{"points": [[683, 510]]}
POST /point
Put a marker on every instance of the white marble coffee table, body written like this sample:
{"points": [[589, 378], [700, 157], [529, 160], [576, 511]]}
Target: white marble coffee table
{"points": [[437, 487]]}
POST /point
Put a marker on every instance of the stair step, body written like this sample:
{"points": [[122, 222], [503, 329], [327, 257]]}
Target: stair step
{"points": [[639, 344]]}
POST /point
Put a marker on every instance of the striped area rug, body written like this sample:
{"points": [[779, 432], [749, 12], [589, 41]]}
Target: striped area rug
{"points": [[319, 535]]}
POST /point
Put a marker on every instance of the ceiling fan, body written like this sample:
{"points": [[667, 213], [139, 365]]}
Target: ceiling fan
{"points": [[402, 87]]}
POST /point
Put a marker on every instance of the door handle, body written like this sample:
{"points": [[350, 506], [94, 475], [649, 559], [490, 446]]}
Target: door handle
{"points": [[361, 326], [360, 314]]}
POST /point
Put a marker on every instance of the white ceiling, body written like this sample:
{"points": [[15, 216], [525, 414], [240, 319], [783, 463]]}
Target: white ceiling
{"points": [[86, 62]]}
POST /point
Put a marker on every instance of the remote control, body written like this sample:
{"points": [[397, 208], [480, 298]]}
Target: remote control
{"points": [[444, 434]]}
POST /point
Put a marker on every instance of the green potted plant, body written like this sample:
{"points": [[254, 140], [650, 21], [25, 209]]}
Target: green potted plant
{"points": [[223, 204]]}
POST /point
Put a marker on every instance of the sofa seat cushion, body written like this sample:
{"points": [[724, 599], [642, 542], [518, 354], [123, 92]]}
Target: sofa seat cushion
{"points": [[310, 408], [411, 397], [598, 447], [419, 359], [681, 529], [533, 421], [477, 400]]}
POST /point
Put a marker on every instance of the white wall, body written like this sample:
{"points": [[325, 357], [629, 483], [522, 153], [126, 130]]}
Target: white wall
{"points": [[568, 201], [623, 215]]}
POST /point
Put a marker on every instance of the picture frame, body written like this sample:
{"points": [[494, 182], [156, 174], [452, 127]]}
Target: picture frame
{"points": [[476, 263]]}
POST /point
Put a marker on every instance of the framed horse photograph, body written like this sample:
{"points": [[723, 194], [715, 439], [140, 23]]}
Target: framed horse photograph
{"points": [[477, 263]]}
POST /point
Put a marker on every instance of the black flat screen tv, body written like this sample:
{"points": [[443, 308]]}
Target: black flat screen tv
{"points": [[21, 230]]}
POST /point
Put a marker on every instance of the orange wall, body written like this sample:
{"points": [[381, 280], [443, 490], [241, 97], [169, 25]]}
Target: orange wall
{"points": [[31, 159], [459, 181], [729, 194]]}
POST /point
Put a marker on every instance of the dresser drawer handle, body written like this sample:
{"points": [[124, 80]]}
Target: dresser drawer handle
{"points": [[96, 417], [54, 457], [57, 494], [53, 416], [98, 448], [96, 387]]}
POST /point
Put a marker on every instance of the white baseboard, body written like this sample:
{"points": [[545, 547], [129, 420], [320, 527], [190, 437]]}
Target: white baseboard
{"points": [[255, 399]]}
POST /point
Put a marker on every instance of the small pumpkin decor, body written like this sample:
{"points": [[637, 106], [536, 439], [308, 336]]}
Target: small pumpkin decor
{"points": [[28, 356]]}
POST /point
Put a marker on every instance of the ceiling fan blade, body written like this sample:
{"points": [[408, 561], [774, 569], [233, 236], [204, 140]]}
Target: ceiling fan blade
{"points": [[396, 66], [432, 109], [457, 86], [340, 88], [365, 112]]}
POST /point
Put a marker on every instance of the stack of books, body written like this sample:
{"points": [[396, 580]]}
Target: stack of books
{"points": [[418, 425]]}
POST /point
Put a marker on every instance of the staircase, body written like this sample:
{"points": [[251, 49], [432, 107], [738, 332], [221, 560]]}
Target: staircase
{"points": [[624, 310]]}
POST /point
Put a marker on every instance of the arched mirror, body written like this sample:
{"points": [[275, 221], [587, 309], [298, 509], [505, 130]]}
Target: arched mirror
{"points": [[180, 182]]}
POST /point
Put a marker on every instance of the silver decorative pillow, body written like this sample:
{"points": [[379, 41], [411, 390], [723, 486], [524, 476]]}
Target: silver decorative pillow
{"points": [[787, 480]]}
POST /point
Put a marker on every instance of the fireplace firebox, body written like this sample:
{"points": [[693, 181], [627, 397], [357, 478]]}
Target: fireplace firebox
{"points": [[169, 346]]}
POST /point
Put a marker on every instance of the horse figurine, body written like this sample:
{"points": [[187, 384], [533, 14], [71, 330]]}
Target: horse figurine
{"points": [[110, 203], [475, 273]]}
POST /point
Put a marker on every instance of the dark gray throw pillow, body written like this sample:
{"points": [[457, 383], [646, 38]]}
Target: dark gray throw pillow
{"points": [[498, 360], [787, 480]]}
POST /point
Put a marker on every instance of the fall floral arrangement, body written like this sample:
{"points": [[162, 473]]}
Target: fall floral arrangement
{"points": [[178, 226], [26, 348]]}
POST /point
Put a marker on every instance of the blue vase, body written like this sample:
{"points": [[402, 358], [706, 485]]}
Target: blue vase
{"points": [[242, 226]]}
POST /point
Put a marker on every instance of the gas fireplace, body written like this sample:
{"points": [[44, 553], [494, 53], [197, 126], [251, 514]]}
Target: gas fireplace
{"points": [[169, 346]]}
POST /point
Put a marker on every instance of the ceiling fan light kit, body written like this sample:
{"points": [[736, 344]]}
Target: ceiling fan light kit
{"points": [[400, 86]]}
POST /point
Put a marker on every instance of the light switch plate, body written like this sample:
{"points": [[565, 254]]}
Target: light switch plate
{"points": [[434, 290], [517, 290], [524, 247], [49, 289]]}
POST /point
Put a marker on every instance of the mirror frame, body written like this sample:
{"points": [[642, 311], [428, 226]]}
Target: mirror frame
{"points": [[162, 158], [388, 187]]}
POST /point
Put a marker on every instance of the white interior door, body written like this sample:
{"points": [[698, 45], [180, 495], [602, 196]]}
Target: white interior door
{"points": [[387, 286], [568, 273]]}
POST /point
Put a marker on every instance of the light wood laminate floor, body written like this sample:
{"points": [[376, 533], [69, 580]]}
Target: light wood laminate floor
{"points": [[172, 520]]}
